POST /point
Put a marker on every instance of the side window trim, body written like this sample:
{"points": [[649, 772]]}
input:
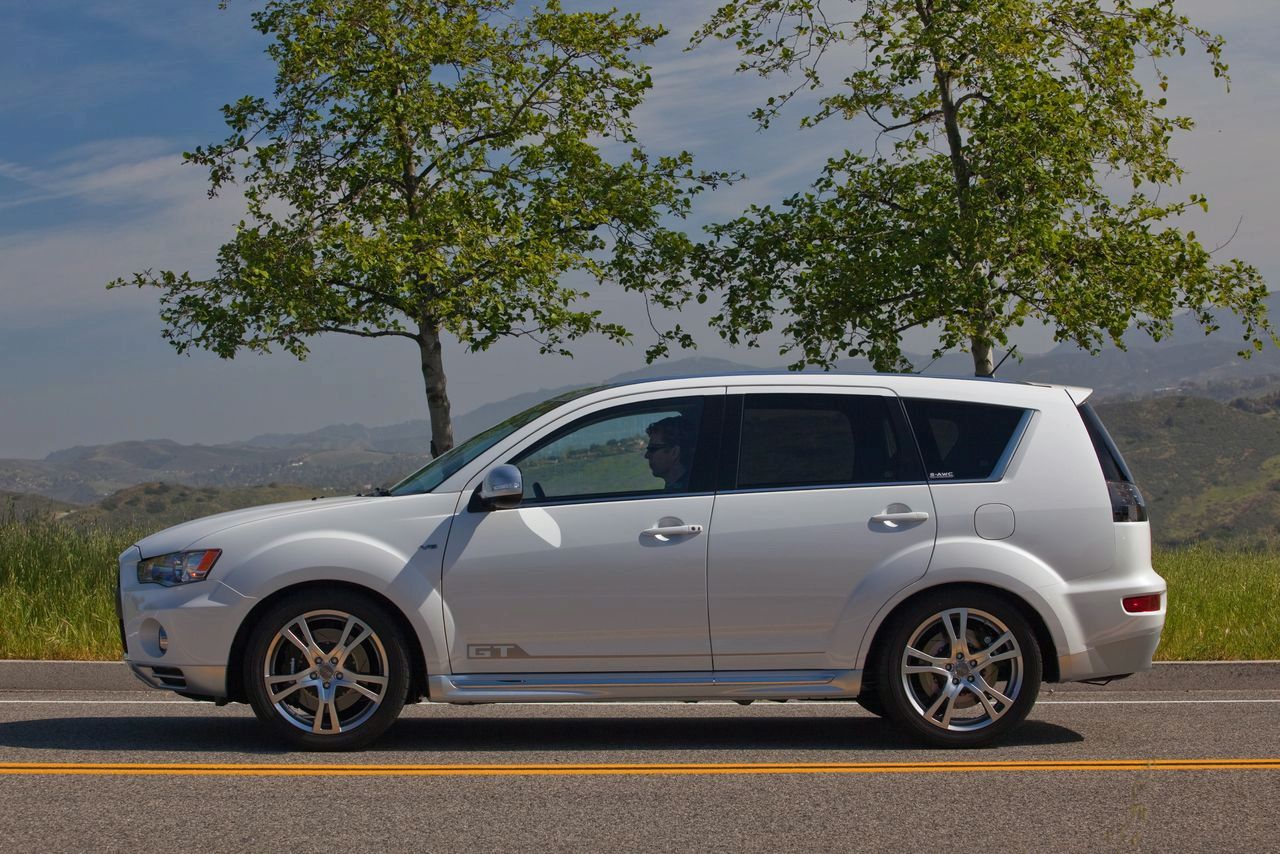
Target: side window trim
{"points": [[731, 448], [730, 444]]}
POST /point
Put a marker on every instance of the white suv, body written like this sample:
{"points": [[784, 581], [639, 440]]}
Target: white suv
{"points": [[934, 548]]}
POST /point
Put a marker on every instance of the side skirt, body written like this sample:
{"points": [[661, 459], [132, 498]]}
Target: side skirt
{"points": [[603, 687]]}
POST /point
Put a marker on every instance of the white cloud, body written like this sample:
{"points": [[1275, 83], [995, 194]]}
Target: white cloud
{"points": [[167, 223], [114, 173]]}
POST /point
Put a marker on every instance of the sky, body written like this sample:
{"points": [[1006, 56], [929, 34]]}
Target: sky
{"points": [[99, 98]]}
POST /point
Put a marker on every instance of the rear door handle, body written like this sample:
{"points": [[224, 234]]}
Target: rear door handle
{"points": [[894, 519], [672, 531]]}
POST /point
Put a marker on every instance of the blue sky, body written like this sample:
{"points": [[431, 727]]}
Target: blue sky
{"points": [[99, 99]]}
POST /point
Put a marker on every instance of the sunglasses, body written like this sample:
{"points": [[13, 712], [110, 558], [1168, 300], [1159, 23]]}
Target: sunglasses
{"points": [[653, 449]]}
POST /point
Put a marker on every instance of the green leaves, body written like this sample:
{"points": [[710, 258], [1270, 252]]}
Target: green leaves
{"points": [[991, 196], [423, 167]]}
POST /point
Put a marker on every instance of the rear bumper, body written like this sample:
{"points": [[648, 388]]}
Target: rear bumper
{"points": [[1117, 658]]}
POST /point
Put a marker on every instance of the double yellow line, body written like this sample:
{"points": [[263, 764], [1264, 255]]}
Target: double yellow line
{"points": [[201, 769]]}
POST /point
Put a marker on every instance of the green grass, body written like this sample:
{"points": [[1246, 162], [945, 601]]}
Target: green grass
{"points": [[56, 583], [1222, 602], [56, 595]]}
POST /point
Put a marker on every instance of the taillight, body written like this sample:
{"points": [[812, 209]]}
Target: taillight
{"points": [[1127, 504], [1142, 604]]}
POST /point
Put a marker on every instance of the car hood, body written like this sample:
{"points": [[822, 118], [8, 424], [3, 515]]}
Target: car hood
{"points": [[179, 537]]}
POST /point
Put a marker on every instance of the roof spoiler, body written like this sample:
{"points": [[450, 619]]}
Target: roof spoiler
{"points": [[1078, 394]]}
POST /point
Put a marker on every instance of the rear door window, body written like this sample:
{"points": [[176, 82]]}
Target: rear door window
{"points": [[965, 441], [799, 440]]}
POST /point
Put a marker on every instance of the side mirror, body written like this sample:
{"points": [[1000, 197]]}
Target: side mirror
{"points": [[502, 488]]}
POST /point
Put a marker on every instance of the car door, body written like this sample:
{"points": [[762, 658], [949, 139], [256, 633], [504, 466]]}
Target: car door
{"points": [[824, 513], [602, 566]]}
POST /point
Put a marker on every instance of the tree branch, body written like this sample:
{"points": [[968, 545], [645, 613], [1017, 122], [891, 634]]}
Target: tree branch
{"points": [[508, 128], [367, 333]]}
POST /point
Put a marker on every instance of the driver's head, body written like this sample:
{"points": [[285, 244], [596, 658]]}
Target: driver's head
{"points": [[668, 448]]}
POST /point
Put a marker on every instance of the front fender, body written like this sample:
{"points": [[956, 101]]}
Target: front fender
{"points": [[409, 580]]}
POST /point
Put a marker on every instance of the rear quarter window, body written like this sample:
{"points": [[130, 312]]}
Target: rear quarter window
{"points": [[964, 441]]}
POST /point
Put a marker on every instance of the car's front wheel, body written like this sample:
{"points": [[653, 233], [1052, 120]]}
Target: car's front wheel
{"points": [[327, 670], [960, 668]]}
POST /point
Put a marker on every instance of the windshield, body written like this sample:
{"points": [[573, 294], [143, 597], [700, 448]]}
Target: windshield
{"points": [[450, 462]]}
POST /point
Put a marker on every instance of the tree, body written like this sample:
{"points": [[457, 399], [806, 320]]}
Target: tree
{"points": [[425, 168], [1017, 173]]}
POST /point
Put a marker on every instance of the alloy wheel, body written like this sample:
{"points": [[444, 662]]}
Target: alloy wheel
{"points": [[962, 669], [326, 672]]}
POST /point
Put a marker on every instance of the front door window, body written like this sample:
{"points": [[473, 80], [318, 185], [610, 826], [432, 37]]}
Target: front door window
{"points": [[642, 450]]}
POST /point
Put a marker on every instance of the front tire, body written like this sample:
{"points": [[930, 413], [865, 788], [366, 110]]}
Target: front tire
{"points": [[327, 670], [961, 668]]}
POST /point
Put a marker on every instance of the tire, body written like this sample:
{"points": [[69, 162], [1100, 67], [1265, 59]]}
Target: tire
{"points": [[870, 701], [348, 688], [928, 683]]}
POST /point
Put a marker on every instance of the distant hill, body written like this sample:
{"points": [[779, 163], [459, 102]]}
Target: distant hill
{"points": [[1208, 470], [23, 507], [353, 457], [84, 475], [153, 506]]}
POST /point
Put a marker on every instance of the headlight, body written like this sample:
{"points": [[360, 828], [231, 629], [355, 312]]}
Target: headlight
{"points": [[178, 567]]}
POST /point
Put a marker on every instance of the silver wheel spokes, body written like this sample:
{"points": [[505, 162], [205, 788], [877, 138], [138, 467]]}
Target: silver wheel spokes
{"points": [[326, 672], [962, 669]]}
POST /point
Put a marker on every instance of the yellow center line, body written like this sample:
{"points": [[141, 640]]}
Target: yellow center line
{"points": [[556, 769]]}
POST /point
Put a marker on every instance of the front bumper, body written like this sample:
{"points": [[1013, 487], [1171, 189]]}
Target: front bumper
{"points": [[198, 681], [199, 622]]}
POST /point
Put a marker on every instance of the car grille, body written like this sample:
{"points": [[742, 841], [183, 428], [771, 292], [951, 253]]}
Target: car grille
{"points": [[168, 677]]}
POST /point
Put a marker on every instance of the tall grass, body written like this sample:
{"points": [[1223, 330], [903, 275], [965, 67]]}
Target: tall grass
{"points": [[1223, 602], [56, 590], [56, 596]]}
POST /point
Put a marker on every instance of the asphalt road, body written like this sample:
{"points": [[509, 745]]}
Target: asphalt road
{"points": [[821, 777]]}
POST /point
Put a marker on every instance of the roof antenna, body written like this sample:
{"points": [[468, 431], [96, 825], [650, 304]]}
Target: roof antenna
{"points": [[926, 367], [1012, 350]]}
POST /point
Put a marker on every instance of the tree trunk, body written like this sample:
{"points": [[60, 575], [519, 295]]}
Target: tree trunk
{"points": [[437, 396], [983, 361]]}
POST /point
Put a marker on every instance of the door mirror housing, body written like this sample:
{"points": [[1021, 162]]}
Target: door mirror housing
{"points": [[502, 488]]}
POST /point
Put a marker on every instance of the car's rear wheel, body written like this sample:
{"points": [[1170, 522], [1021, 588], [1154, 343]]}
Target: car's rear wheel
{"points": [[960, 668], [327, 670], [870, 700]]}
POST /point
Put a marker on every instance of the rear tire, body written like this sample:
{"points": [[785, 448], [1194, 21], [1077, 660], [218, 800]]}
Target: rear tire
{"points": [[327, 670], [870, 701], [960, 668]]}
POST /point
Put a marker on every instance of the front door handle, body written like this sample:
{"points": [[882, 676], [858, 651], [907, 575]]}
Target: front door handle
{"points": [[672, 531], [895, 519]]}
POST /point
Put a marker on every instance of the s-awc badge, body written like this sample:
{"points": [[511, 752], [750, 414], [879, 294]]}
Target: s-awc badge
{"points": [[941, 475]]}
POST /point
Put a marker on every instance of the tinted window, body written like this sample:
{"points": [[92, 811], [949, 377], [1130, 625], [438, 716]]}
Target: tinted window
{"points": [[823, 440], [635, 450], [962, 441]]}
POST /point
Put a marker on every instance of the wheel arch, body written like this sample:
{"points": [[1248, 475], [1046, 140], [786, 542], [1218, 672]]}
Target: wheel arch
{"points": [[1048, 647], [235, 663]]}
